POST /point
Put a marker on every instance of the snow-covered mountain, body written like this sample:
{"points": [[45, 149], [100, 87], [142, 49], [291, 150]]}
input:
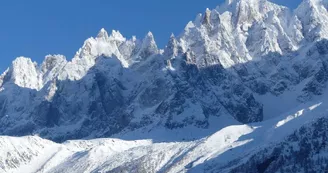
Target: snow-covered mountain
{"points": [[240, 86]]}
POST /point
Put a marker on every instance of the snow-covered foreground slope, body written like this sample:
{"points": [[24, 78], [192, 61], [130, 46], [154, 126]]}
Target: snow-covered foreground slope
{"points": [[222, 151]]}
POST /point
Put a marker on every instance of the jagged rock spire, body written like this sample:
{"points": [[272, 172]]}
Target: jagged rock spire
{"points": [[51, 61], [148, 47], [149, 41], [117, 36], [207, 17], [103, 34], [171, 49], [24, 73]]}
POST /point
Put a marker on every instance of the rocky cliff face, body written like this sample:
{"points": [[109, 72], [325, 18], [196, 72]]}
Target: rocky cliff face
{"points": [[250, 60]]}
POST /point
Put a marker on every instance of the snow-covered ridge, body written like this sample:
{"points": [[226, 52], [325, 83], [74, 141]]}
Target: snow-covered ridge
{"points": [[28, 74], [237, 26], [221, 151]]}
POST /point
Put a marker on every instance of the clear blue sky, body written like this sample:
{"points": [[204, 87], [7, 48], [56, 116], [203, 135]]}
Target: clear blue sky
{"points": [[36, 28]]}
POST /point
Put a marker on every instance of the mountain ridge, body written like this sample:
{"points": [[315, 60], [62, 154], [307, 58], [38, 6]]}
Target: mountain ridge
{"points": [[217, 46]]}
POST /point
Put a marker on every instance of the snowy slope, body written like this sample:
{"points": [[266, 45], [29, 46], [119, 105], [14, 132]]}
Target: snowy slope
{"points": [[212, 153]]}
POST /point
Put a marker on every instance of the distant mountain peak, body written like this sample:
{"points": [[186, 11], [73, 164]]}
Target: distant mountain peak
{"points": [[117, 36], [148, 46], [24, 73], [102, 34]]}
